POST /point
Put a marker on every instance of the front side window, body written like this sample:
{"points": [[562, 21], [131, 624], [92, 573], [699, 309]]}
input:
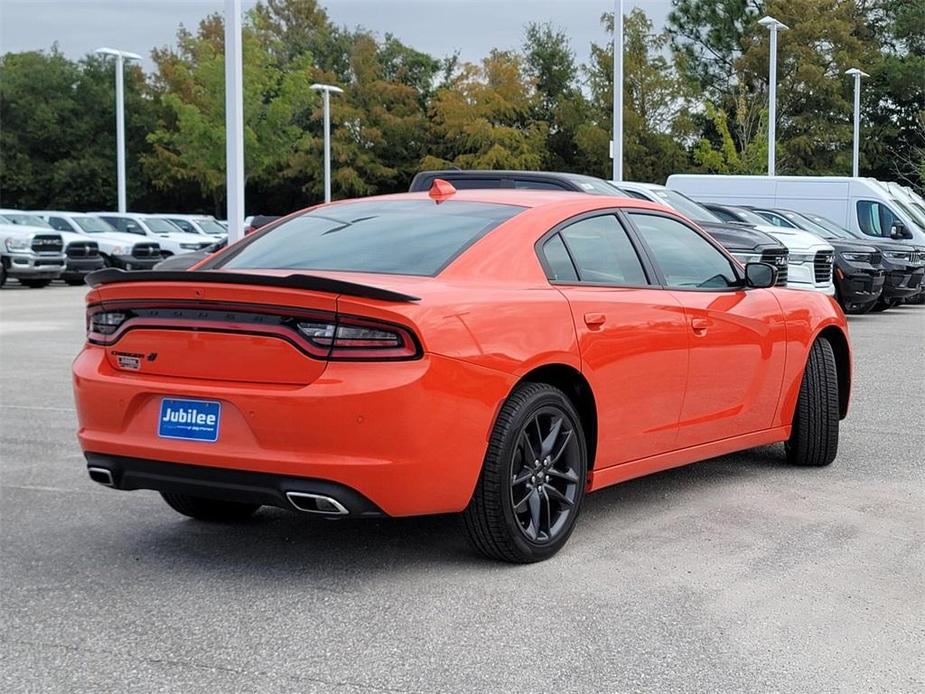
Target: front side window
{"points": [[687, 260], [403, 237], [602, 252], [875, 218]]}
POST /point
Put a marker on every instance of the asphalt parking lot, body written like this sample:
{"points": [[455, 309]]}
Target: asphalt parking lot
{"points": [[736, 574]]}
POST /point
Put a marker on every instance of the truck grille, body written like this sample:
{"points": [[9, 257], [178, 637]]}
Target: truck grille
{"points": [[47, 243], [876, 257], [83, 249], [823, 267], [778, 258], [146, 250]]}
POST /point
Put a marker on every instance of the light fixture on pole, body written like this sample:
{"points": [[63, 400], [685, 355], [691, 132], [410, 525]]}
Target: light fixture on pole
{"points": [[121, 57], [617, 144], [234, 121], [773, 26], [326, 90], [856, 148]]}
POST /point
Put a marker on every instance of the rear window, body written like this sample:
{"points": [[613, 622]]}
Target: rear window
{"points": [[404, 237]]}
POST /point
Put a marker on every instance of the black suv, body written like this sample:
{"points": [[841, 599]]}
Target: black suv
{"points": [[902, 266], [747, 245]]}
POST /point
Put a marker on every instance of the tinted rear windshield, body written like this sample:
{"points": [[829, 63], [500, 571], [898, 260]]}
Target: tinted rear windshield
{"points": [[404, 237]]}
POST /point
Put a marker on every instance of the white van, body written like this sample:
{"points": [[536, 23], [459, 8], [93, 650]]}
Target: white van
{"points": [[859, 204]]}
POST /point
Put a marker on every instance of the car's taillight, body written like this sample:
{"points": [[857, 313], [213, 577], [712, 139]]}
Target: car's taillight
{"points": [[102, 324], [349, 338]]}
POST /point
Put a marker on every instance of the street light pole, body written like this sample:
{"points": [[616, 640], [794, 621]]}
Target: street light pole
{"points": [[856, 148], [773, 26], [617, 90], [121, 57], [326, 90], [234, 121]]}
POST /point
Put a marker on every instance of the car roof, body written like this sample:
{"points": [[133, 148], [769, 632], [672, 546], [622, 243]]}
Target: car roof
{"points": [[520, 197]]}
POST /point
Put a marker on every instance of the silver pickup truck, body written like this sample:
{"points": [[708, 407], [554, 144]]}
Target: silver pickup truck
{"points": [[32, 256]]}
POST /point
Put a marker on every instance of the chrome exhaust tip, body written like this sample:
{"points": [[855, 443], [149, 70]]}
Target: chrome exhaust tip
{"points": [[101, 475], [316, 503]]}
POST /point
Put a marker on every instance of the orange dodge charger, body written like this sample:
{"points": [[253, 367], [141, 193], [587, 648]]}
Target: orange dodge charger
{"points": [[498, 353]]}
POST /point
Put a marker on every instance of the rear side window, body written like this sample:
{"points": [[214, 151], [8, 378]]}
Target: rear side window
{"points": [[404, 237], [558, 263], [602, 252], [184, 225], [686, 259]]}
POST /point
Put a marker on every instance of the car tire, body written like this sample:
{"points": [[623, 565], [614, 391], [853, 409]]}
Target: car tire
{"points": [[813, 439], [501, 528], [204, 509], [35, 284]]}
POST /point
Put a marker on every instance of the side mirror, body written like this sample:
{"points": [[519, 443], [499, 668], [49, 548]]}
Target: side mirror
{"points": [[760, 275], [899, 230]]}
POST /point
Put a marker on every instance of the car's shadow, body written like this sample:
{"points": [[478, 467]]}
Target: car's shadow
{"points": [[281, 544]]}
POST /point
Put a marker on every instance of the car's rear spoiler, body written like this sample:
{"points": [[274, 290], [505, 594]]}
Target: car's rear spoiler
{"points": [[294, 281]]}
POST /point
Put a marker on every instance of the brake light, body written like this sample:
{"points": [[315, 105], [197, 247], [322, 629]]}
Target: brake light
{"points": [[350, 338], [319, 334]]}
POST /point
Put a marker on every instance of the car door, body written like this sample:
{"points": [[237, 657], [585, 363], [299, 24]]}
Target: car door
{"points": [[632, 335], [736, 336]]}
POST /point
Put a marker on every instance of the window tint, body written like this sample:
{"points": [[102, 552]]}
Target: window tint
{"points": [[129, 226], [405, 237], [525, 184], [602, 252], [875, 218], [686, 258], [558, 262], [634, 194], [777, 220], [59, 224], [724, 215], [184, 225]]}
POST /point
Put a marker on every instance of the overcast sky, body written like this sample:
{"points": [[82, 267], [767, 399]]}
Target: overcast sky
{"points": [[438, 27]]}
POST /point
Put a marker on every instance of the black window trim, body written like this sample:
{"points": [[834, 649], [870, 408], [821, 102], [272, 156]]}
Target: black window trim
{"points": [[663, 281], [647, 268]]}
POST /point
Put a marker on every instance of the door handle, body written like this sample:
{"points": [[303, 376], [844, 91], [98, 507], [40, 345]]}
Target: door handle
{"points": [[700, 326], [595, 320]]}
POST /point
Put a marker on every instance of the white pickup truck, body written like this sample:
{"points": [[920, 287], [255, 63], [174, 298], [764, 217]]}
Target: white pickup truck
{"points": [[128, 251], [171, 239], [30, 255]]}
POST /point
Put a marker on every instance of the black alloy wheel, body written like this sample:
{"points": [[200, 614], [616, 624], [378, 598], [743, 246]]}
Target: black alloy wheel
{"points": [[532, 483], [544, 488]]}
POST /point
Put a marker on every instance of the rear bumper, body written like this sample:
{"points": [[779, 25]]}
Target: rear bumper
{"points": [[408, 436], [261, 488]]}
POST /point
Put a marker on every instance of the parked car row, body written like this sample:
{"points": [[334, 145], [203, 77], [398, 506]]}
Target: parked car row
{"points": [[874, 266], [876, 229], [39, 246]]}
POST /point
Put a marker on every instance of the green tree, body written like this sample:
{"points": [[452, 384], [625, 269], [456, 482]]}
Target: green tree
{"points": [[655, 119], [550, 62], [189, 142], [483, 119]]}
